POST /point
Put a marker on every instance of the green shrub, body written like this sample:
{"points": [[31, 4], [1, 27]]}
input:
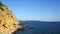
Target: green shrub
{"points": [[1, 4]]}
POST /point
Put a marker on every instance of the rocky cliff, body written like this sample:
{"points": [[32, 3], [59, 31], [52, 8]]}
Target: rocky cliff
{"points": [[8, 22]]}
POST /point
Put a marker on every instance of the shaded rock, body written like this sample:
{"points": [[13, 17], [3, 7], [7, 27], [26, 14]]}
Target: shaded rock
{"points": [[22, 27]]}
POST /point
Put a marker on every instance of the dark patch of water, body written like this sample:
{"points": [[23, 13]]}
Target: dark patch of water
{"points": [[40, 28]]}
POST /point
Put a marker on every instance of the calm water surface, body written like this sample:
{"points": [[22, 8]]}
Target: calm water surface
{"points": [[41, 28]]}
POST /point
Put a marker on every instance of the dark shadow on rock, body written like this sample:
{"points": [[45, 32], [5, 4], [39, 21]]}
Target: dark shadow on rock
{"points": [[23, 28], [20, 29]]}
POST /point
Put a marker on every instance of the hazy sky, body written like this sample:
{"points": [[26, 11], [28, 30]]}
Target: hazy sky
{"points": [[46, 10]]}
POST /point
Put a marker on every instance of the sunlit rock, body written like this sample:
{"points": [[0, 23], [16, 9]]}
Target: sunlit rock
{"points": [[8, 22]]}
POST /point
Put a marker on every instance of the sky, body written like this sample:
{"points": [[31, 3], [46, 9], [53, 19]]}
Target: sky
{"points": [[42, 10]]}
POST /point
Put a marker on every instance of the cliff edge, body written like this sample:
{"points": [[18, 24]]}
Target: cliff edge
{"points": [[8, 22]]}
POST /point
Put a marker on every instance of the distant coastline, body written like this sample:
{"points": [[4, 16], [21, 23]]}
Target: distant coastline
{"points": [[37, 21]]}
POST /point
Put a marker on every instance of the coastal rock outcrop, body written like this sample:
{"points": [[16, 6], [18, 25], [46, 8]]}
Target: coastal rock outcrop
{"points": [[8, 22]]}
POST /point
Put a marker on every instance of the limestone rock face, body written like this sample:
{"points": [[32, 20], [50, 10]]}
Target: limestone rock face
{"points": [[8, 22]]}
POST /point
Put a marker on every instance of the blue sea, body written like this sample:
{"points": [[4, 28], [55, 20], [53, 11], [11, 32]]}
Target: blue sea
{"points": [[40, 27]]}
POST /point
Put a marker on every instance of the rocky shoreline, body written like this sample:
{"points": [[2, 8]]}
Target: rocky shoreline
{"points": [[8, 21]]}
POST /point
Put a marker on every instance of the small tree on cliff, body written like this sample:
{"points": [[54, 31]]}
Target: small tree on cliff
{"points": [[1, 3]]}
